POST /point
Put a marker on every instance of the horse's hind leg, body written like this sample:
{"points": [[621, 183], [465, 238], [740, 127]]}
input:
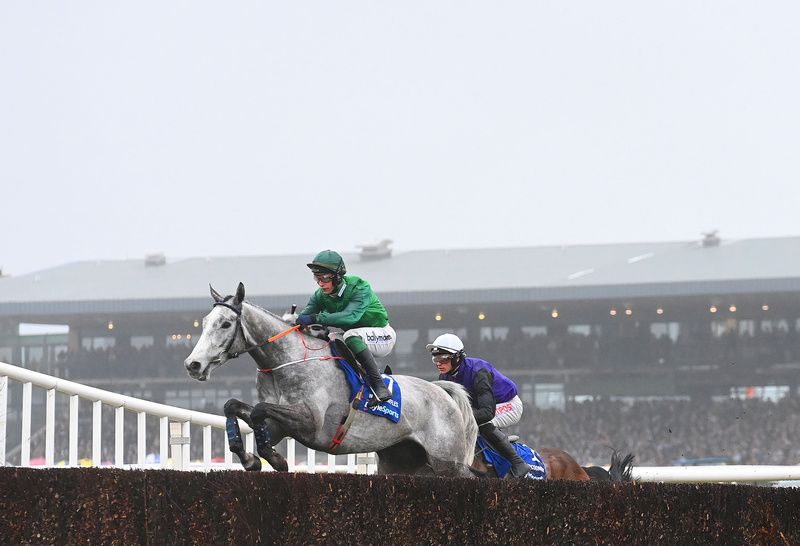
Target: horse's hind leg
{"points": [[235, 409], [451, 469], [405, 457], [408, 457], [561, 465]]}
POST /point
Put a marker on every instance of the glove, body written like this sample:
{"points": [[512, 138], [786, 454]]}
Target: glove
{"points": [[305, 320]]}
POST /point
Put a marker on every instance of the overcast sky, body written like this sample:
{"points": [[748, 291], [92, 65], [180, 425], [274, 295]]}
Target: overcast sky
{"points": [[201, 128]]}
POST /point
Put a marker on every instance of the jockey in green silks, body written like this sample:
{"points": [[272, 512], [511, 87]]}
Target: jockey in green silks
{"points": [[348, 302]]}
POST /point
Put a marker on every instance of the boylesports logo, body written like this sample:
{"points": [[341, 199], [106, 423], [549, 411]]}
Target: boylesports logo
{"points": [[386, 410]]}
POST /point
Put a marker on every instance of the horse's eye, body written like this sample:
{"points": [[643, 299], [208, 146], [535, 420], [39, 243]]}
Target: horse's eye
{"points": [[225, 324]]}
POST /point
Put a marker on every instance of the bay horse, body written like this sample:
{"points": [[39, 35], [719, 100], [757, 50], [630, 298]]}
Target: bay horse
{"points": [[304, 395], [560, 465]]}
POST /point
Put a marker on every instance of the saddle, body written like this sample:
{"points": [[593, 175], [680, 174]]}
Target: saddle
{"points": [[502, 466]]}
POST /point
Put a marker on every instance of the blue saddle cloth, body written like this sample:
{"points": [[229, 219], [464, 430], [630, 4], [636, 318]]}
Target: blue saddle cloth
{"points": [[389, 409], [502, 466]]}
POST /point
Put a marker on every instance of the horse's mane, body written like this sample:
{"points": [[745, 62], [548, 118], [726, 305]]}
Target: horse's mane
{"points": [[251, 304], [267, 311]]}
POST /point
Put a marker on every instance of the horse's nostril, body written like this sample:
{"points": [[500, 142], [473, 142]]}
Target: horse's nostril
{"points": [[194, 365]]}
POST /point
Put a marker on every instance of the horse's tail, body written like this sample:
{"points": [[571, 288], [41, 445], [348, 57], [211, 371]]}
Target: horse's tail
{"points": [[461, 397], [621, 469], [597, 473]]}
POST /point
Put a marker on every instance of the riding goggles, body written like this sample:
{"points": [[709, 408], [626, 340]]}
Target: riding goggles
{"points": [[441, 357], [323, 277]]}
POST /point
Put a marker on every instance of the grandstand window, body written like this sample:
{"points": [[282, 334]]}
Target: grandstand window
{"points": [[670, 329], [747, 327], [582, 329], [777, 325], [534, 331], [141, 342], [493, 332], [721, 327], [6, 354], [549, 396], [29, 329], [31, 355], [99, 342]]}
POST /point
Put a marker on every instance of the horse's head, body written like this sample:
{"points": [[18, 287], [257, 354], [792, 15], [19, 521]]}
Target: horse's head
{"points": [[222, 337]]}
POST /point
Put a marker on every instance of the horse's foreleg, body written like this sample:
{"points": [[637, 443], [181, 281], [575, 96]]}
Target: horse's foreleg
{"points": [[269, 421], [235, 409]]}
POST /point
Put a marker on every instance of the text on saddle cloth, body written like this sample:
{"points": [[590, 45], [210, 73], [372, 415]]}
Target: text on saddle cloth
{"points": [[502, 466], [390, 409]]}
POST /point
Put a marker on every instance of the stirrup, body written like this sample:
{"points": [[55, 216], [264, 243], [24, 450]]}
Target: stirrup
{"points": [[512, 475], [375, 400]]}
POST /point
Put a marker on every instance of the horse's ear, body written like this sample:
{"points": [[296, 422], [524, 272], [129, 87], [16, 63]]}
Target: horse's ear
{"points": [[239, 294], [214, 294]]}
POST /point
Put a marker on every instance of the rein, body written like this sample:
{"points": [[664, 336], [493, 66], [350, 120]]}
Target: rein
{"points": [[305, 356], [241, 328]]}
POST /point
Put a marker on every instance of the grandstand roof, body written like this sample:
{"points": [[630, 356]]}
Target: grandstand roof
{"points": [[427, 276]]}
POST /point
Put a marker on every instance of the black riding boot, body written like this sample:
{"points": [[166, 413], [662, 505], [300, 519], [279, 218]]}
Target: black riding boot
{"points": [[374, 378], [500, 443]]}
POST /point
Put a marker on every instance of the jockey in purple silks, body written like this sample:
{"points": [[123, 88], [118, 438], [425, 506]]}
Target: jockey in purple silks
{"points": [[495, 402]]}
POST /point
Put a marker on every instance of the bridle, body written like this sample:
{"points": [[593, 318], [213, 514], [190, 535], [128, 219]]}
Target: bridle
{"points": [[238, 328]]}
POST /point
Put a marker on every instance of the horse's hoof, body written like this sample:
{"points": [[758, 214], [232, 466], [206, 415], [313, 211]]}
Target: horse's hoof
{"points": [[278, 462], [275, 459], [251, 463]]}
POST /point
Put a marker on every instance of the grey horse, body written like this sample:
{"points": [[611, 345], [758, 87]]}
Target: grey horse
{"points": [[304, 395]]}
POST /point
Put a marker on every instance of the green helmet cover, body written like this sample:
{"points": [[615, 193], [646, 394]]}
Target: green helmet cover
{"points": [[328, 260]]}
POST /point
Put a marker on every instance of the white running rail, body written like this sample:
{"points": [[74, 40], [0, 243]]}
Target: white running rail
{"points": [[180, 420], [717, 473], [175, 428]]}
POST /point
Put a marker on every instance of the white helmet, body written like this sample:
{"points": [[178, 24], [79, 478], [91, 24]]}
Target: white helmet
{"points": [[447, 343]]}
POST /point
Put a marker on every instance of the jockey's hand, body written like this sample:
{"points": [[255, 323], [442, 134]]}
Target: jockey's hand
{"points": [[305, 320]]}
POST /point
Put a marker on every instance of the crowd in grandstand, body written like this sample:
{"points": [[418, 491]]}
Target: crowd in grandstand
{"points": [[661, 432]]}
